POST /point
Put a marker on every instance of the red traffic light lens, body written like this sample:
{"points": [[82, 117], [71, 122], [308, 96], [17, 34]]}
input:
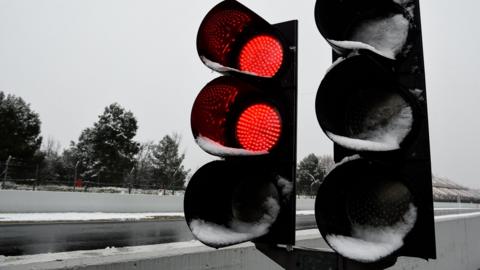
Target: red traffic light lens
{"points": [[259, 127], [233, 39], [219, 31], [261, 55], [210, 110]]}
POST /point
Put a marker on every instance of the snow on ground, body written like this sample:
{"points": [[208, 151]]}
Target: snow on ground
{"points": [[76, 216], [92, 216]]}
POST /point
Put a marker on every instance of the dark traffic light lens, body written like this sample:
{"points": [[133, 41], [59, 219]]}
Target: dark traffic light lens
{"points": [[381, 203], [226, 203], [364, 210], [262, 56], [259, 127], [360, 106]]}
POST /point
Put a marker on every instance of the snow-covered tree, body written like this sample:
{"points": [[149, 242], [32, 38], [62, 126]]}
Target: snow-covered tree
{"points": [[52, 166], [311, 171], [106, 151], [144, 165], [167, 162], [19, 129]]}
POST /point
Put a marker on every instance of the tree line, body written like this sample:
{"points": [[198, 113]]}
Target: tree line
{"points": [[105, 153]]}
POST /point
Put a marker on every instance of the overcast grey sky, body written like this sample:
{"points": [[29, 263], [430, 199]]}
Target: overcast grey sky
{"points": [[70, 59]]}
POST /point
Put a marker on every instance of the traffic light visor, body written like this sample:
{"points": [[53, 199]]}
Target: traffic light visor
{"points": [[381, 26], [233, 38], [227, 204]]}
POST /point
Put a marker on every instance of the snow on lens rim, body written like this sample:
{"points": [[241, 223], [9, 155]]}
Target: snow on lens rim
{"points": [[360, 106], [381, 26], [225, 204], [364, 211]]}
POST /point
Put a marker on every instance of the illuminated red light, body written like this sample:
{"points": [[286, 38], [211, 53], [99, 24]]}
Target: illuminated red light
{"points": [[258, 127], [261, 55]]}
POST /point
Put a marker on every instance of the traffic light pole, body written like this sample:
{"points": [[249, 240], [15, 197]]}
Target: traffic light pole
{"points": [[299, 258]]}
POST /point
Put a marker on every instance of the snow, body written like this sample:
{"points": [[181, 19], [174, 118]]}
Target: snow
{"points": [[360, 145], [92, 216], [379, 136], [355, 45], [385, 36], [236, 231], [78, 216], [305, 212], [221, 68], [346, 159], [388, 35], [369, 244], [335, 63], [286, 186], [217, 149], [403, 2]]}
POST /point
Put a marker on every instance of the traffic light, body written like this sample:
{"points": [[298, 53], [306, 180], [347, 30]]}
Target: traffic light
{"points": [[247, 117], [376, 204]]}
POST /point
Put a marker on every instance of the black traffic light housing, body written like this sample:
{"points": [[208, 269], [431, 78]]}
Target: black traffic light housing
{"points": [[247, 117], [376, 204]]}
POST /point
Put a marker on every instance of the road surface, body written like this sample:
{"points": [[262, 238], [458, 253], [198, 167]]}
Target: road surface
{"points": [[34, 238]]}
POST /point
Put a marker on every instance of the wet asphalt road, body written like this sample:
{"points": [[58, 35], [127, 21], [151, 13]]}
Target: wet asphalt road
{"points": [[35, 238], [25, 239]]}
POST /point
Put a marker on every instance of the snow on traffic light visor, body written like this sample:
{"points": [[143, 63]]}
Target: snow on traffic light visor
{"points": [[233, 38], [232, 118], [381, 26]]}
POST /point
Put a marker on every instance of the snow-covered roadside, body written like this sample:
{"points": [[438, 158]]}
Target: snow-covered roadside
{"points": [[97, 216], [77, 216], [100, 216]]}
